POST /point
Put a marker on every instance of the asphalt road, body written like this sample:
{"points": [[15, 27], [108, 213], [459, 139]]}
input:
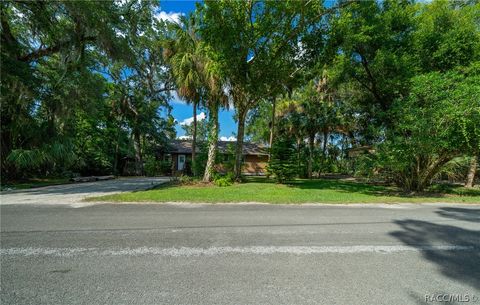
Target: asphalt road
{"points": [[74, 193], [239, 254]]}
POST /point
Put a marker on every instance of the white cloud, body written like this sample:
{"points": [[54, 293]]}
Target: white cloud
{"points": [[222, 138], [175, 99], [184, 137], [200, 117], [229, 139], [170, 16]]}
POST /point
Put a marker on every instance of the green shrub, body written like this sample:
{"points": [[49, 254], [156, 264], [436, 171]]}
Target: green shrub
{"points": [[230, 175], [283, 163], [367, 166], [224, 180], [155, 167], [436, 122], [186, 180], [200, 161], [228, 158], [150, 166]]}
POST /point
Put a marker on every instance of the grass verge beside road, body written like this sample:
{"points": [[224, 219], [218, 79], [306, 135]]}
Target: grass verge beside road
{"points": [[32, 183], [299, 191]]}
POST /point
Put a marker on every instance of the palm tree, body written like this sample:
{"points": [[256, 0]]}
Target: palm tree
{"points": [[215, 98], [311, 110], [185, 57], [198, 77], [318, 104]]}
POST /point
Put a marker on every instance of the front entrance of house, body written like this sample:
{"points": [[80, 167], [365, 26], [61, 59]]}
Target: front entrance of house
{"points": [[181, 162]]}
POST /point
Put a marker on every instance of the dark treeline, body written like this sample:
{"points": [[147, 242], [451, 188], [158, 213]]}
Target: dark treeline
{"points": [[85, 86], [82, 86]]}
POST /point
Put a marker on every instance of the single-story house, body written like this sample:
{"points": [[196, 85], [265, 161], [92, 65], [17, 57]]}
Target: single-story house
{"points": [[360, 150], [179, 152]]}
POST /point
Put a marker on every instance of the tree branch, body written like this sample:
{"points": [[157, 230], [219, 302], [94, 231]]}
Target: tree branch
{"points": [[300, 26], [373, 81], [34, 55], [6, 32]]}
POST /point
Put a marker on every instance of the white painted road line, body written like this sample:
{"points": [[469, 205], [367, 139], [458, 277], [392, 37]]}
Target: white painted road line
{"points": [[213, 251]]}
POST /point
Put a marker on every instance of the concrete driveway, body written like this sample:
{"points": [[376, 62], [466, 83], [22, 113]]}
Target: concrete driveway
{"points": [[68, 194]]}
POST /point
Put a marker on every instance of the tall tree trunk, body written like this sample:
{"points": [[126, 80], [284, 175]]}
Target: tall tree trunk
{"points": [[115, 160], [239, 149], [426, 170], [194, 137], [311, 143], [325, 142], [299, 172], [342, 153], [471, 172], [272, 128], [432, 169], [138, 153], [212, 143], [5, 150]]}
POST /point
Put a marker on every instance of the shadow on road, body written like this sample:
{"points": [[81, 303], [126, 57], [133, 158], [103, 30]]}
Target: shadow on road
{"points": [[462, 266], [472, 215]]}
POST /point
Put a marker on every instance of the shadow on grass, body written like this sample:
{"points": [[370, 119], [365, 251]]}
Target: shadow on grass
{"points": [[341, 186], [455, 190], [358, 187], [460, 265]]}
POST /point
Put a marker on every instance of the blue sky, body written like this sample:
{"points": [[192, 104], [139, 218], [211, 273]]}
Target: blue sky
{"points": [[180, 110]]}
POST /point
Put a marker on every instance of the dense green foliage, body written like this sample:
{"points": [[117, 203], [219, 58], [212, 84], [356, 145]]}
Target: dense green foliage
{"points": [[384, 89], [256, 43], [224, 180], [283, 160], [438, 121], [82, 86], [395, 79]]}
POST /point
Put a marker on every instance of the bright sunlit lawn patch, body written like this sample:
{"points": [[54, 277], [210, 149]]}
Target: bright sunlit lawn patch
{"points": [[299, 191]]}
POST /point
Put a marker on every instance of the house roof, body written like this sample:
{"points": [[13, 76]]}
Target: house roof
{"points": [[355, 151], [185, 147]]}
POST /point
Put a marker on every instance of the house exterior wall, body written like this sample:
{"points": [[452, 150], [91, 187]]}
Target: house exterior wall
{"points": [[255, 165], [252, 165]]}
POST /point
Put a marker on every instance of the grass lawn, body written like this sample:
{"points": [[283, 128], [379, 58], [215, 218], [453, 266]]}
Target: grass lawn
{"points": [[31, 183], [299, 191]]}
